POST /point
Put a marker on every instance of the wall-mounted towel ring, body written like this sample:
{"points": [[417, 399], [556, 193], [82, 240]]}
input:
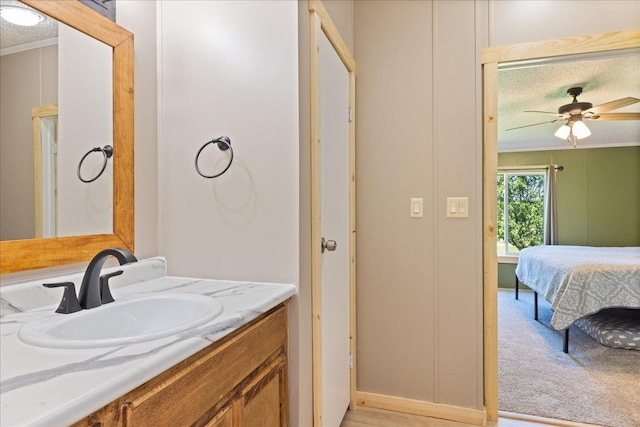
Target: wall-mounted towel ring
{"points": [[107, 152], [224, 144]]}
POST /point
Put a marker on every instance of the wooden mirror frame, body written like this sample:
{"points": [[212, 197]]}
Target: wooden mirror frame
{"points": [[491, 57], [28, 254]]}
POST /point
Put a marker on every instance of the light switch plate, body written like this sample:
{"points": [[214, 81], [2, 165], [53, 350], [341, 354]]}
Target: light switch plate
{"points": [[416, 207], [457, 207]]}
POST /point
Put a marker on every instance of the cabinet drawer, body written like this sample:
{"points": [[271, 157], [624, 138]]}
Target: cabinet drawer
{"points": [[182, 395]]}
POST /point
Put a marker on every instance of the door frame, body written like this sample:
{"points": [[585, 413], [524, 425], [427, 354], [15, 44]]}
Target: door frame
{"points": [[490, 60], [321, 22], [37, 115]]}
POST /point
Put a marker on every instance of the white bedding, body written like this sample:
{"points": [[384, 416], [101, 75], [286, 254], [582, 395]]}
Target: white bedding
{"points": [[581, 280]]}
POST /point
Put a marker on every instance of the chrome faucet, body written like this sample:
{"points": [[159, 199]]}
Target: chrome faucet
{"points": [[91, 292]]}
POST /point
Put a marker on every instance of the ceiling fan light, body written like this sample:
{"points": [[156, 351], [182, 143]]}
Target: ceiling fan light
{"points": [[563, 132], [580, 130]]}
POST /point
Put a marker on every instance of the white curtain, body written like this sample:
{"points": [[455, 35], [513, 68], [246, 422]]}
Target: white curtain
{"points": [[550, 208]]}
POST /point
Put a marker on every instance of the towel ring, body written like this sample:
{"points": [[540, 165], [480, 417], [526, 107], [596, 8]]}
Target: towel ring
{"points": [[107, 152], [224, 144]]}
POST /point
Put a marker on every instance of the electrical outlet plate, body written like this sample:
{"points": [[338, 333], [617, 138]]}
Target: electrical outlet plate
{"points": [[457, 207]]}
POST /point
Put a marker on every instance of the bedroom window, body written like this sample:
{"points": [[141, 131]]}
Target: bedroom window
{"points": [[520, 214]]}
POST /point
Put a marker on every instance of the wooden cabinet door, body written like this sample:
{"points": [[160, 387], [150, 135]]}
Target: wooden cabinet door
{"points": [[263, 402], [224, 418]]}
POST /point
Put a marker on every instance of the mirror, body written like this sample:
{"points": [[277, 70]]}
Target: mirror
{"points": [[25, 254], [56, 97]]}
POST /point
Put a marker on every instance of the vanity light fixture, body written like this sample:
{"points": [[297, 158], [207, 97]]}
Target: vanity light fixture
{"points": [[21, 16]]}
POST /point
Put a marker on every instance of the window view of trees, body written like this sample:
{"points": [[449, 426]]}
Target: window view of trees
{"points": [[521, 201]]}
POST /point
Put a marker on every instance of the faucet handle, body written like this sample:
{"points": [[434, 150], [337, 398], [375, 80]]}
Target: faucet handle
{"points": [[69, 303], [105, 292]]}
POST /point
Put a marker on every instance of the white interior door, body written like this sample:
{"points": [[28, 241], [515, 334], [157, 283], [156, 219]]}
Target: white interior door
{"points": [[334, 194]]}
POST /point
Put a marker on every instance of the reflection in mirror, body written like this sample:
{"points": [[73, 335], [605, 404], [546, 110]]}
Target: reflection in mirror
{"points": [[45, 67]]}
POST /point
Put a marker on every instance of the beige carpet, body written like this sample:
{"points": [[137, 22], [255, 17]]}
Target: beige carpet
{"points": [[592, 384]]}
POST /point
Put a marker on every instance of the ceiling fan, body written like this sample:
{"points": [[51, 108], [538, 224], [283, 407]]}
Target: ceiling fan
{"points": [[575, 112]]}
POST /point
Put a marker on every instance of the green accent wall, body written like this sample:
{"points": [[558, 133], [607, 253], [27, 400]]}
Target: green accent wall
{"points": [[506, 275], [598, 196]]}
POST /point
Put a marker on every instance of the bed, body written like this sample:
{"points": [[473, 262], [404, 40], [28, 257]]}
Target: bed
{"points": [[581, 280]]}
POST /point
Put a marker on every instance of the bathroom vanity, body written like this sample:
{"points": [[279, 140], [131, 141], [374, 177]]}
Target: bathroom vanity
{"points": [[227, 367], [228, 371], [240, 380]]}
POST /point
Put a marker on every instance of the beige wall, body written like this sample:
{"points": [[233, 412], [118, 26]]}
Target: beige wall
{"points": [[27, 79], [394, 162], [531, 20], [419, 135], [458, 247], [419, 283]]}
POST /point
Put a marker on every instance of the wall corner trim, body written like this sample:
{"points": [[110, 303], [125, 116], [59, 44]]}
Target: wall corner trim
{"points": [[418, 407]]}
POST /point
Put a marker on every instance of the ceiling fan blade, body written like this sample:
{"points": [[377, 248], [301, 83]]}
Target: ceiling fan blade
{"points": [[545, 112], [615, 116], [536, 124], [612, 105]]}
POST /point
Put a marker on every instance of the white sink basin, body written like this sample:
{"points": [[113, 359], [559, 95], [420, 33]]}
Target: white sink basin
{"points": [[128, 320]]}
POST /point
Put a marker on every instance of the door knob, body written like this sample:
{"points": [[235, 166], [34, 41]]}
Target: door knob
{"points": [[329, 245]]}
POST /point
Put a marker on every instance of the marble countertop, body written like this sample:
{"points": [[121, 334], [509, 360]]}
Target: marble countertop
{"points": [[43, 386]]}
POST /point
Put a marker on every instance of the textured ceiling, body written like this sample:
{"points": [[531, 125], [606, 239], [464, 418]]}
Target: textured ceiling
{"points": [[543, 87], [12, 35]]}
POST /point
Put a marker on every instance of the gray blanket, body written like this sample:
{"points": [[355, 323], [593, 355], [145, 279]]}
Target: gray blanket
{"points": [[581, 280]]}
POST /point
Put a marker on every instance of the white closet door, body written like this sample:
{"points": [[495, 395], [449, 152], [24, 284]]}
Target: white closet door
{"points": [[334, 147]]}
